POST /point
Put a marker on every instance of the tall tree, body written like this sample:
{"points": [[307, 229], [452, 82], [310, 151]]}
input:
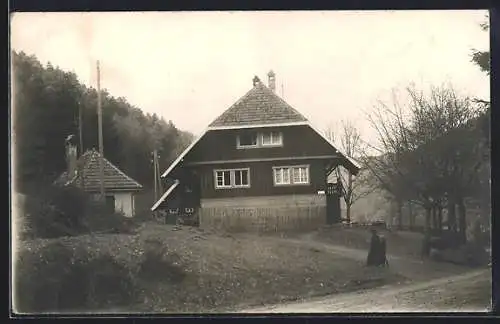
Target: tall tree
{"points": [[482, 58], [46, 106]]}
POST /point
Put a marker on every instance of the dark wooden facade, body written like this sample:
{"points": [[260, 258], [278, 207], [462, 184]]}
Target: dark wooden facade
{"points": [[261, 179], [182, 203], [298, 141], [217, 149]]}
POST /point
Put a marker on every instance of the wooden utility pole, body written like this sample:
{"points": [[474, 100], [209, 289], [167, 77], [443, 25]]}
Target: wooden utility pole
{"points": [[80, 130], [156, 166], [158, 173], [155, 175], [99, 121], [158, 191]]}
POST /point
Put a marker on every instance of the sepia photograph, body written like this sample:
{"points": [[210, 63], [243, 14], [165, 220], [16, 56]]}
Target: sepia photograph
{"points": [[250, 162]]}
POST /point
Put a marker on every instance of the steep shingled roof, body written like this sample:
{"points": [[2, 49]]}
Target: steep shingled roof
{"points": [[114, 178], [259, 106]]}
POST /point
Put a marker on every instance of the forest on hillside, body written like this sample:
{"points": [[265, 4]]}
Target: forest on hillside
{"points": [[46, 108]]}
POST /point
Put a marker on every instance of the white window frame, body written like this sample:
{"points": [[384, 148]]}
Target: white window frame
{"points": [[233, 180], [276, 138], [282, 172], [300, 174], [273, 135], [223, 186], [232, 177], [240, 146], [290, 170]]}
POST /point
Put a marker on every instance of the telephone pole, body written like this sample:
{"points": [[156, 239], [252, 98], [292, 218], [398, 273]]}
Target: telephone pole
{"points": [[157, 180], [99, 122], [155, 175], [158, 173], [80, 130]]}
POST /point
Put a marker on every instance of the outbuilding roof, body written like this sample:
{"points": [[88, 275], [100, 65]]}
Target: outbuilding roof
{"points": [[88, 164]]}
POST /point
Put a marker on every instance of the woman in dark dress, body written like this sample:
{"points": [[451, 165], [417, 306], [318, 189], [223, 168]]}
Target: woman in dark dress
{"points": [[382, 256], [374, 251]]}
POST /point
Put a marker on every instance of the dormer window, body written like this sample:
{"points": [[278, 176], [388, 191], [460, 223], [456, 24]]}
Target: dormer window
{"points": [[247, 140], [272, 139], [261, 139]]}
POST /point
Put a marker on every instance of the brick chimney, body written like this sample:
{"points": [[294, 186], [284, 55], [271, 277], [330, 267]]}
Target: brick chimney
{"points": [[271, 77], [71, 156], [256, 81]]}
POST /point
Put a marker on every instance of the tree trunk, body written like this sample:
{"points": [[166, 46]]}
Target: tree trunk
{"points": [[349, 202], [399, 211], [348, 213], [434, 218], [392, 213], [411, 216], [462, 220], [452, 218], [426, 247], [427, 220], [440, 219]]}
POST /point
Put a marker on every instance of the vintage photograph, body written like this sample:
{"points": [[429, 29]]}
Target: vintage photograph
{"points": [[250, 162]]}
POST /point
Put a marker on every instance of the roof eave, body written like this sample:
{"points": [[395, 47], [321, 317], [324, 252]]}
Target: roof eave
{"points": [[165, 195], [181, 156], [113, 190], [353, 166], [297, 123]]}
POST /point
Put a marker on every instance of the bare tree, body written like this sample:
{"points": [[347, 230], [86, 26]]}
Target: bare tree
{"points": [[393, 176], [430, 151], [349, 141]]}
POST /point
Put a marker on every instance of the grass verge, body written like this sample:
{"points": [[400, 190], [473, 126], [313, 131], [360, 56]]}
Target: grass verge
{"points": [[180, 269]]}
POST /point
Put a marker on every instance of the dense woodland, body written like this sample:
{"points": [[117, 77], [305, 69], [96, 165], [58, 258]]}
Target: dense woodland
{"points": [[47, 102]]}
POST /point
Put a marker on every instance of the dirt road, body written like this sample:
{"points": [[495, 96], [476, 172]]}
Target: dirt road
{"points": [[466, 292], [430, 286], [415, 270]]}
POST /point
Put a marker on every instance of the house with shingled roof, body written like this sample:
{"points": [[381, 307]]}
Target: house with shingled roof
{"points": [[84, 172], [260, 153]]}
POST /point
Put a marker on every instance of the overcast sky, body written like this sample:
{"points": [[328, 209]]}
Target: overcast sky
{"points": [[190, 67]]}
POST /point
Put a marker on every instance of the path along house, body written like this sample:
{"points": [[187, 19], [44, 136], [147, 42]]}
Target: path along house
{"points": [[260, 163], [119, 188]]}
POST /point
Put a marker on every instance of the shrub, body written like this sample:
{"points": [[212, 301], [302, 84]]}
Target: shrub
{"points": [[60, 278], [55, 212], [469, 254], [98, 219], [475, 254], [159, 264], [37, 278], [68, 211], [101, 282]]}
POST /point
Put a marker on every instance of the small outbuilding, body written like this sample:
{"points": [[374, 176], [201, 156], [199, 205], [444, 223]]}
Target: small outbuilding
{"points": [[120, 189]]}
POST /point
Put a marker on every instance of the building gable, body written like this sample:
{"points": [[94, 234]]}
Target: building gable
{"points": [[259, 106]]}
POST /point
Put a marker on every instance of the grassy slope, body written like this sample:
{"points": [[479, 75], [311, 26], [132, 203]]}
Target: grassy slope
{"points": [[224, 272]]}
